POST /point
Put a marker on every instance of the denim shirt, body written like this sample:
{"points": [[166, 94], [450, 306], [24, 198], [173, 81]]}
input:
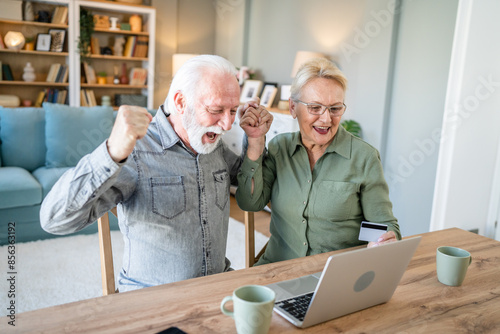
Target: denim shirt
{"points": [[173, 205]]}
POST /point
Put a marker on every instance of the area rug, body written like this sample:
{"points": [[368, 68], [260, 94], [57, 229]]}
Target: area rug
{"points": [[63, 270]]}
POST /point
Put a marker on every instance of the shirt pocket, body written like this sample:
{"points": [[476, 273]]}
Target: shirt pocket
{"points": [[221, 182], [334, 200], [168, 196]]}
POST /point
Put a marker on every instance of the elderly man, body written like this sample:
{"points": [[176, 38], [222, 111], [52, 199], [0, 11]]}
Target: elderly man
{"points": [[168, 175]]}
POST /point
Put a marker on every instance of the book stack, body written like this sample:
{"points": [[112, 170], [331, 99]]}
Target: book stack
{"points": [[60, 15], [136, 46], [89, 73], [87, 98], [58, 73], [52, 95]]}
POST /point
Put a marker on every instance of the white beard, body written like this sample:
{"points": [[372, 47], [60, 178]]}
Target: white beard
{"points": [[196, 131]]}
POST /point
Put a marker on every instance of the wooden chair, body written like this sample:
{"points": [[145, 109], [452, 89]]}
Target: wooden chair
{"points": [[107, 269], [250, 257], [106, 251]]}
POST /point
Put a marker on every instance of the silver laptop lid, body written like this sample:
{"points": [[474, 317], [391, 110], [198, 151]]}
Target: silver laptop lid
{"points": [[353, 281]]}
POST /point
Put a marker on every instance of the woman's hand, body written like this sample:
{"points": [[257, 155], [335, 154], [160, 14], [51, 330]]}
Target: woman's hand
{"points": [[385, 238]]}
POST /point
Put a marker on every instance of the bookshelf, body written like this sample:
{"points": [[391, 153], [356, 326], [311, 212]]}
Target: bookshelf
{"points": [[40, 60], [69, 56], [107, 62]]}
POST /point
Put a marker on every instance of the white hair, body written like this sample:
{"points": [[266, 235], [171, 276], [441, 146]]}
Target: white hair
{"points": [[187, 78]]}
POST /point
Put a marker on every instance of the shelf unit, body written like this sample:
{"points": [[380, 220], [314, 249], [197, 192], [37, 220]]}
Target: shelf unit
{"points": [[108, 62], [70, 56], [40, 60]]}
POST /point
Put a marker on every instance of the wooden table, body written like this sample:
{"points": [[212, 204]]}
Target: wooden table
{"points": [[420, 304]]}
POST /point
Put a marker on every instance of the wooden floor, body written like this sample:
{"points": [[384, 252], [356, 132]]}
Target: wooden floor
{"points": [[261, 218]]}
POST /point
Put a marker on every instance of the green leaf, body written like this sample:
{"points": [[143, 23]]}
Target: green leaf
{"points": [[353, 127]]}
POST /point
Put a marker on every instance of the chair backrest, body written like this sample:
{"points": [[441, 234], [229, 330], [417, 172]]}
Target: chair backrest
{"points": [[107, 269], [250, 257]]}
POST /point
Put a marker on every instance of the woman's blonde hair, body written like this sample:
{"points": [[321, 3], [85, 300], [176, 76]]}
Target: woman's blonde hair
{"points": [[316, 68]]}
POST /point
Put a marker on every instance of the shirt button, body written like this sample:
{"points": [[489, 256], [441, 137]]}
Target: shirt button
{"points": [[253, 169], [308, 181], [305, 243], [304, 221], [107, 169], [304, 202]]}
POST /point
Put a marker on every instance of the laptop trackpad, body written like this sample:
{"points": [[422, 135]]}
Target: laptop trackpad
{"points": [[300, 285]]}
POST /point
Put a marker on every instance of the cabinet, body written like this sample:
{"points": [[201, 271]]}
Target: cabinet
{"points": [[70, 55]]}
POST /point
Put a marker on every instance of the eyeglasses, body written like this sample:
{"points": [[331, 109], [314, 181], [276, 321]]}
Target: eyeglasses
{"points": [[319, 109]]}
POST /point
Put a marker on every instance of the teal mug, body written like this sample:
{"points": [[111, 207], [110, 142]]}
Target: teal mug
{"points": [[253, 308], [452, 264]]}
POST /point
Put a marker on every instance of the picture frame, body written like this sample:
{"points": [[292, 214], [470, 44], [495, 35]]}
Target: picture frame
{"points": [[43, 42], [57, 37], [268, 94], [285, 92], [250, 90]]}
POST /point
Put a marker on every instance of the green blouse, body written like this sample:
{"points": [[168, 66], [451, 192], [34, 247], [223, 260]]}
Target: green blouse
{"points": [[319, 211]]}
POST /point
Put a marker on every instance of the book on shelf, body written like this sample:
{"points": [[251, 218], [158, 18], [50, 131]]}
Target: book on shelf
{"points": [[60, 15], [52, 95], [89, 72], [94, 46], [138, 76], [1, 75], [7, 72], [58, 73], [141, 48], [87, 98], [2, 45], [130, 46]]}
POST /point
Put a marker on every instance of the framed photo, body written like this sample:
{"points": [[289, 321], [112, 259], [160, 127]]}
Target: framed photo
{"points": [[57, 39], [268, 94], [285, 92], [251, 89], [43, 42]]}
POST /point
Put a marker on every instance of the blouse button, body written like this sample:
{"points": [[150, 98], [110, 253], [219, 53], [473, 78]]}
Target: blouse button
{"points": [[305, 243]]}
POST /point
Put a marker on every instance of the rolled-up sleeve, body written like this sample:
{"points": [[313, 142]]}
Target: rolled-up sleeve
{"points": [[84, 193]]}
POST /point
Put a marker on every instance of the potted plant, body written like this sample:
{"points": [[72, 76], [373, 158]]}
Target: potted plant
{"points": [[101, 78], [30, 44], [353, 127], [86, 30]]}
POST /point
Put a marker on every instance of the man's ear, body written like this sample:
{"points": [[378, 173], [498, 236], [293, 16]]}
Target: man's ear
{"points": [[292, 108], [180, 102]]}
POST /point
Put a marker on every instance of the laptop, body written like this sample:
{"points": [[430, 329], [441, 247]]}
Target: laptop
{"points": [[349, 282]]}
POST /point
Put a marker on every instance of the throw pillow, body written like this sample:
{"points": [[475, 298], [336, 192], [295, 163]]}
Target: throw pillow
{"points": [[22, 137], [72, 132]]}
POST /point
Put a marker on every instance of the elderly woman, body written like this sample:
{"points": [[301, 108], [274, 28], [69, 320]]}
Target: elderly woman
{"points": [[322, 181]]}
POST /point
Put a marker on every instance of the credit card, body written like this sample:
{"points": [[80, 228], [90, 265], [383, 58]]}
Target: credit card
{"points": [[371, 231]]}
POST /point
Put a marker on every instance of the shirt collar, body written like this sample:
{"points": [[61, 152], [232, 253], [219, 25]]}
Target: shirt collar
{"points": [[166, 132], [341, 143]]}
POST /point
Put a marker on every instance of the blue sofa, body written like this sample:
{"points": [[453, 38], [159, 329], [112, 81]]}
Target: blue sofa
{"points": [[37, 145]]}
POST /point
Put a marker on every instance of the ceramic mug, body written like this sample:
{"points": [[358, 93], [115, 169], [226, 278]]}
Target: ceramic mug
{"points": [[452, 264], [253, 308]]}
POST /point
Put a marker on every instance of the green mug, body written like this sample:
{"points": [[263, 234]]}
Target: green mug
{"points": [[452, 264], [253, 308]]}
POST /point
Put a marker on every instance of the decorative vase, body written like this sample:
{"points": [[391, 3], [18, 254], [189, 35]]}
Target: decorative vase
{"points": [[135, 23], [29, 73], [29, 13], [105, 100], [124, 78], [101, 80]]}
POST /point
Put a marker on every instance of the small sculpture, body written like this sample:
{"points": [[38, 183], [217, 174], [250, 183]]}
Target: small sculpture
{"points": [[118, 47], [29, 73]]}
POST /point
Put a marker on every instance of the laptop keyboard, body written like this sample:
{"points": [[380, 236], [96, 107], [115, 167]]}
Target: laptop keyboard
{"points": [[296, 306]]}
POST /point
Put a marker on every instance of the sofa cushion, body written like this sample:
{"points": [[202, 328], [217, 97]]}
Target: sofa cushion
{"points": [[47, 177], [72, 132], [22, 135], [18, 188]]}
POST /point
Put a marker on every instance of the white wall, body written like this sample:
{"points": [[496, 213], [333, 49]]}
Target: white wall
{"points": [[423, 54], [467, 158]]}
